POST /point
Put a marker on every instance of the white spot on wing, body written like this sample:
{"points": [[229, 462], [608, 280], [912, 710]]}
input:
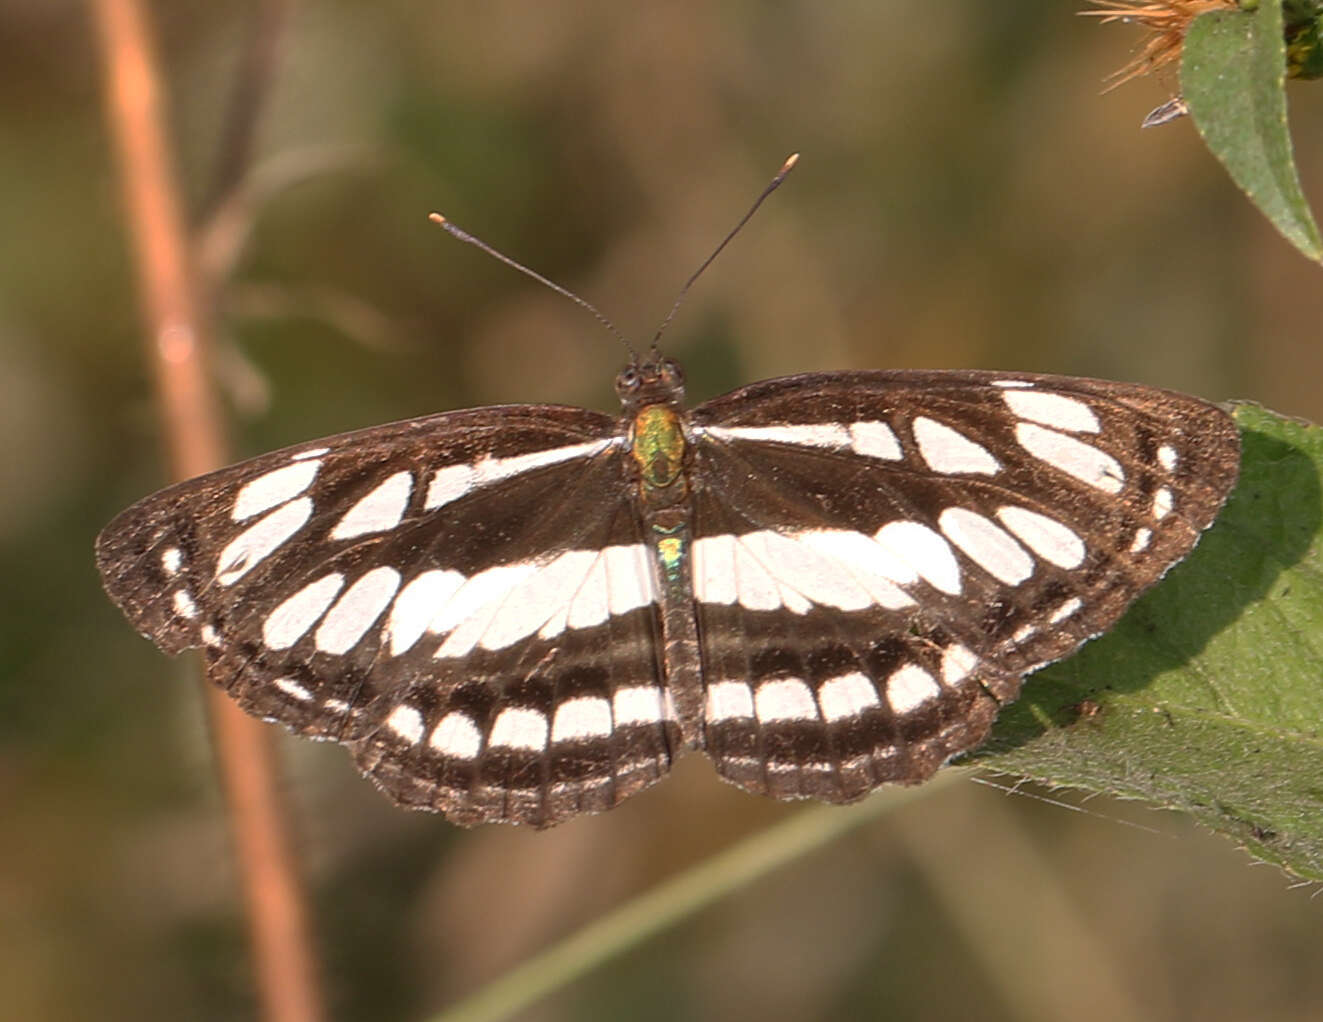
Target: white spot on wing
{"points": [[557, 623], [877, 569], [784, 699], [846, 696], [585, 717], [380, 510], [590, 605], [449, 483], [875, 440], [172, 559], [537, 596], [615, 580], [987, 545], [417, 604], [714, 570], [1064, 611], [809, 434], [316, 452], [1163, 502], [950, 452], [1141, 540], [1056, 410], [909, 688], [285, 625], [729, 700], [520, 727], [456, 736], [927, 553], [1048, 538], [502, 605], [490, 470], [755, 587], [272, 488], [1011, 383], [406, 722], [764, 570], [638, 704], [293, 689], [957, 662], [1167, 457], [629, 579], [454, 481], [1074, 457], [472, 606], [803, 573], [184, 605], [210, 637], [357, 610], [259, 541]]}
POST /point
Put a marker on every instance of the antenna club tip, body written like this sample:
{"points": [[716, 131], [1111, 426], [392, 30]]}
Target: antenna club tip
{"points": [[437, 218], [789, 165]]}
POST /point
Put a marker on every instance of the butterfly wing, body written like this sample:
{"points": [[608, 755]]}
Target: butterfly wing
{"points": [[463, 599], [880, 557]]}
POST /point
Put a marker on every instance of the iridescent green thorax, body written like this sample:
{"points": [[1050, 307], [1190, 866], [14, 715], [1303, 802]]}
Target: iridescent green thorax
{"points": [[658, 448]]}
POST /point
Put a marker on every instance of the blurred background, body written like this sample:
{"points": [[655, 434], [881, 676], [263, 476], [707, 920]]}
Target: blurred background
{"points": [[966, 198]]}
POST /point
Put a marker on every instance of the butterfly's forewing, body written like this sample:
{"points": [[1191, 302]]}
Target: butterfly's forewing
{"points": [[462, 598], [880, 557]]}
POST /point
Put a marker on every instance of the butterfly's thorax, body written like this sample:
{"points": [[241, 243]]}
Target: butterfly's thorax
{"points": [[657, 445], [658, 451]]}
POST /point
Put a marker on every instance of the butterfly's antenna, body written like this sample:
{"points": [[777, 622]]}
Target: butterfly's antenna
{"points": [[786, 168], [464, 235]]}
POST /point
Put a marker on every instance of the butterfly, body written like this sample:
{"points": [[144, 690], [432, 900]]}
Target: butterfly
{"points": [[825, 582]]}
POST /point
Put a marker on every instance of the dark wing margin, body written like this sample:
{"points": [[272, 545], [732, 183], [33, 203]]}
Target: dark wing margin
{"points": [[1108, 485], [300, 572]]}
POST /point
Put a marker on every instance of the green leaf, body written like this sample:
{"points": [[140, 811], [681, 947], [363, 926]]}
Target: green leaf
{"points": [[1208, 696], [1233, 77]]}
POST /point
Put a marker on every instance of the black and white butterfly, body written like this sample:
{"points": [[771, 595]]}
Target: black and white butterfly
{"points": [[826, 582]]}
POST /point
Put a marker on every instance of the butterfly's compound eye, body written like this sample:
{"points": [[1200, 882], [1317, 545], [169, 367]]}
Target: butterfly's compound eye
{"points": [[671, 373], [629, 380]]}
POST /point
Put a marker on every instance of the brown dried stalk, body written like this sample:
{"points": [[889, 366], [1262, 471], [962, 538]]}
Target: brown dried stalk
{"points": [[177, 334]]}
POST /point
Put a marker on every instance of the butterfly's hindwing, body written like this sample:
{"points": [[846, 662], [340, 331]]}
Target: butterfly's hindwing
{"points": [[880, 557], [537, 733]]}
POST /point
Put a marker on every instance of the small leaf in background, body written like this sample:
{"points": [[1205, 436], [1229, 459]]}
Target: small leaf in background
{"points": [[1235, 57], [1233, 73], [1208, 697]]}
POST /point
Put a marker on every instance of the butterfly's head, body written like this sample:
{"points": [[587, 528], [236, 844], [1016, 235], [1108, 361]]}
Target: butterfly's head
{"points": [[657, 381]]}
